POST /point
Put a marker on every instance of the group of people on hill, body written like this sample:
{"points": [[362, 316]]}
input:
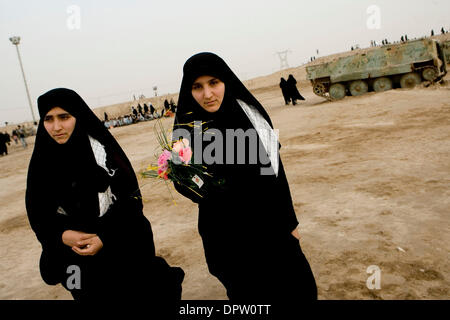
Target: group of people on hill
{"points": [[404, 38], [373, 43], [119, 121], [139, 113], [149, 112], [290, 91], [443, 31]]}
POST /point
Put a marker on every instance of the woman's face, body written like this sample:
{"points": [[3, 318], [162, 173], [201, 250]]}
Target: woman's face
{"points": [[208, 91], [59, 124]]}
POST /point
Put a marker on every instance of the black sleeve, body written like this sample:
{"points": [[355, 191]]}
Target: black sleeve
{"points": [[124, 224], [46, 223], [287, 211]]}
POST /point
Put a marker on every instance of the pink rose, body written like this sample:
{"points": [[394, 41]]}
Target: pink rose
{"points": [[163, 160], [185, 155], [180, 144]]}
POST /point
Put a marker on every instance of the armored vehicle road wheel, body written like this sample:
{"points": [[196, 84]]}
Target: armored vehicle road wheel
{"points": [[382, 84], [410, 80], [319, 89], [358, 87], [337, 91], [430, 74]]}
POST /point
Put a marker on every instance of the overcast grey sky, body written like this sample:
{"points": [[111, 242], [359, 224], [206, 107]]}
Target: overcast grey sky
{"points": [[108, 50]]}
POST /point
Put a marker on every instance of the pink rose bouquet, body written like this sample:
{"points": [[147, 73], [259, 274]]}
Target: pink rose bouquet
{"points": [[174, 164]]}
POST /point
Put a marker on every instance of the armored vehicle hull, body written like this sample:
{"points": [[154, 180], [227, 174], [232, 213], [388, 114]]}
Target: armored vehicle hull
{"points": [[404, 65]]}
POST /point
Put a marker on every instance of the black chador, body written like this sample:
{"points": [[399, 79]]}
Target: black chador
{"points": [[245, 224], [4, 139], [292, 90], [87, 184], [166, 105], [172, 105], [152, 109], [284, 91]]}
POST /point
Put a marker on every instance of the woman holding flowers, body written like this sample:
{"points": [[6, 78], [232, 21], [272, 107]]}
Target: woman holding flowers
{"points": [[84, 204], [248, 224]]}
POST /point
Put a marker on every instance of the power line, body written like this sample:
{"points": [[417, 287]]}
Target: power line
{"points": [[283, 59]]}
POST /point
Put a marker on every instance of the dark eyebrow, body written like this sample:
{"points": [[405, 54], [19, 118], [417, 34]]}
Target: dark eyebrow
{"points": [[65, 114], [212, 79]]}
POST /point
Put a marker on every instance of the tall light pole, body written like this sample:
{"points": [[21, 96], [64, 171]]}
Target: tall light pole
{"points": [[15, 41]]}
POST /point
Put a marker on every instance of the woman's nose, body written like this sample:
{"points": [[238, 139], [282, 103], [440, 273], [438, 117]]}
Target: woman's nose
{"points": [[57, 125], [208, 92]]}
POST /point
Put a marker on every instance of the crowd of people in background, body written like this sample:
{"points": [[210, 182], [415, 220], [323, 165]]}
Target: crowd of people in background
{"points": [[140, 113], [19, 134]]}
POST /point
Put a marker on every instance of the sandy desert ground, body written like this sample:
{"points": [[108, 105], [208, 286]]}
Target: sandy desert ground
{"points": [[369, 177]]}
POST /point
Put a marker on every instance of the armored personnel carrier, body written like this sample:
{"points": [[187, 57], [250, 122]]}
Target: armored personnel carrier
{"points": [[402, 65]]}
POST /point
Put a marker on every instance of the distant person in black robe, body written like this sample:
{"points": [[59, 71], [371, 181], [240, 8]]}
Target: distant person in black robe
{"points": [[134, 111], [285, 91], [106, 116], [140, 109], [4, 140], [172, 106], [166, 106], [145, 108], [7, 139], [84, 204], [292, 90], [152, 110], [248, 225]]}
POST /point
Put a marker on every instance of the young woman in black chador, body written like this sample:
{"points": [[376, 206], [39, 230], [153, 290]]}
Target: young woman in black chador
{"points": [[248, 225], [84, 204]]}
